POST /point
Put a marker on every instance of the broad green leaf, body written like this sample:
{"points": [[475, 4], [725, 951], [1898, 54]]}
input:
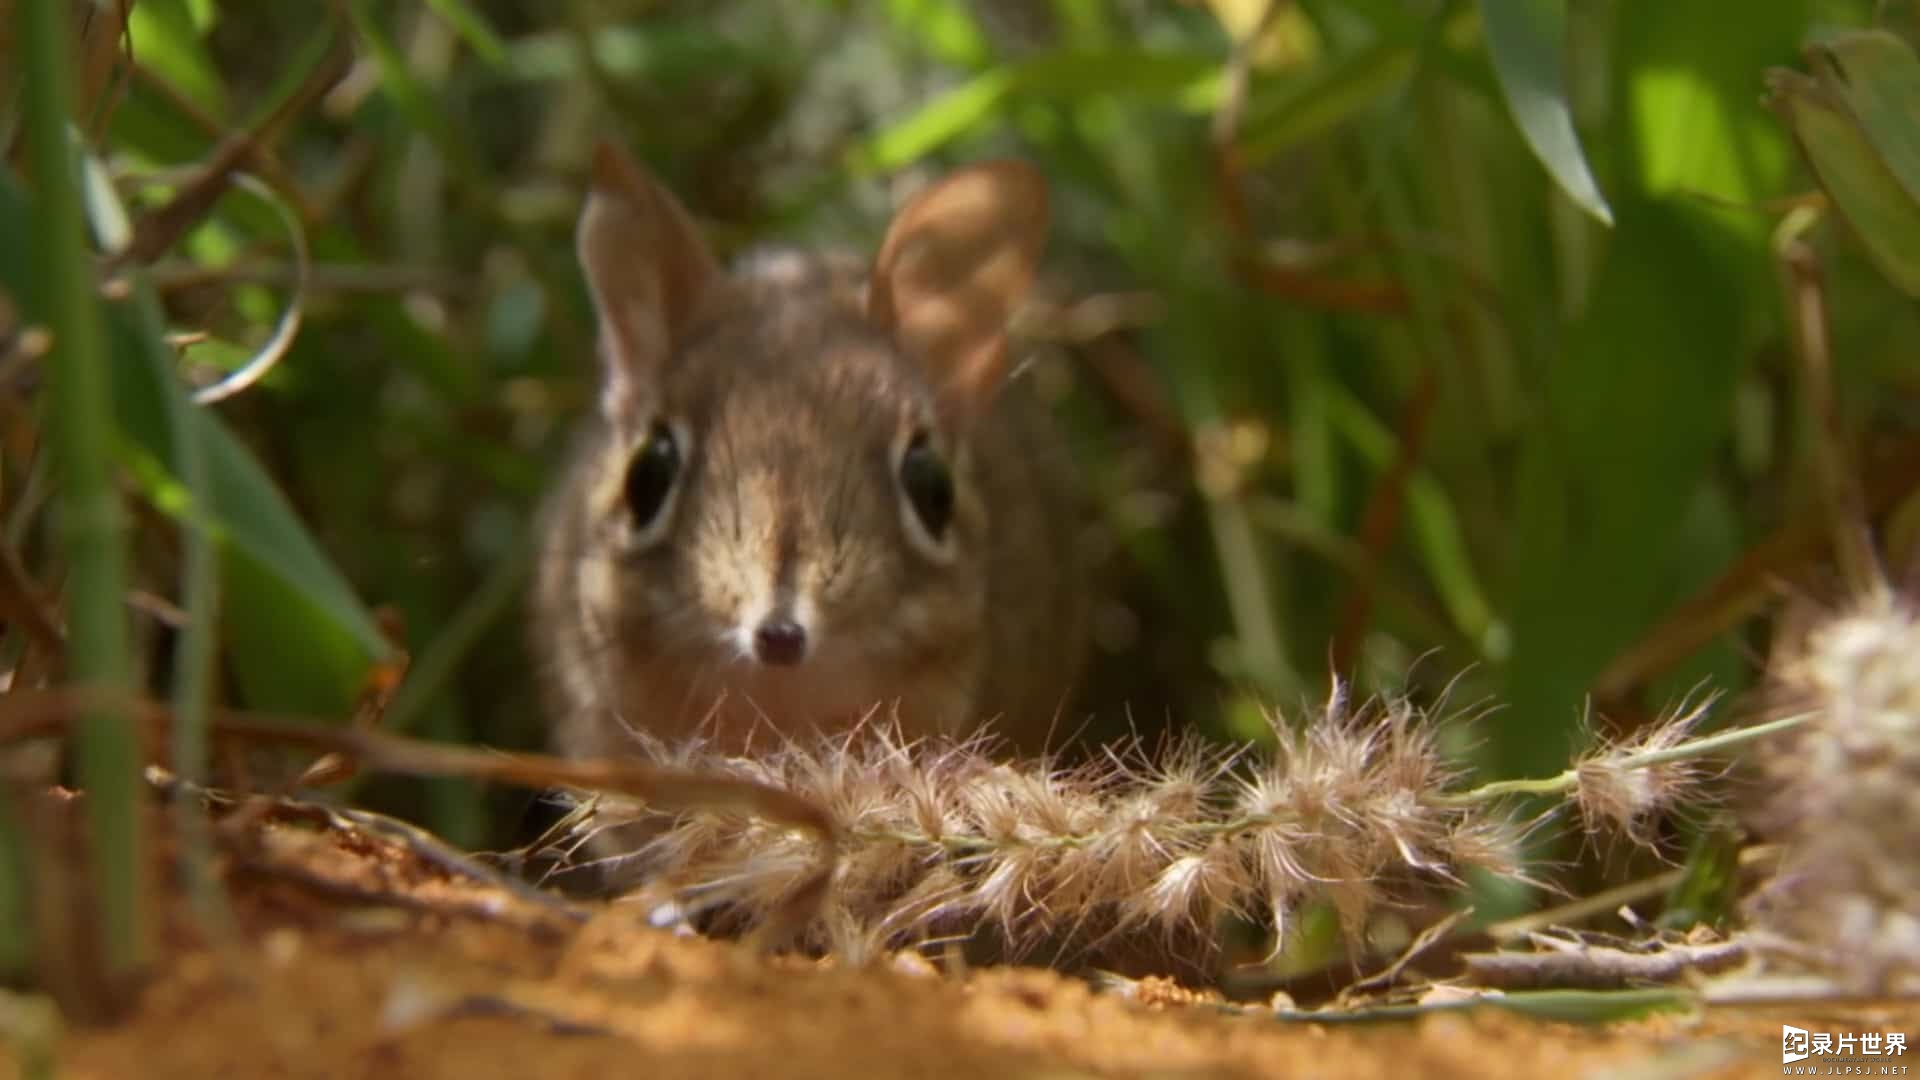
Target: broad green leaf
{"points": [[1882, 213], [1527, 39], [1638, 402], [299, 636], [1875, 75]]}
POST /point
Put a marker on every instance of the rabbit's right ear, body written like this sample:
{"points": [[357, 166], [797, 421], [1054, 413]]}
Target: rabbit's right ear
{"points": [[649, 272]]}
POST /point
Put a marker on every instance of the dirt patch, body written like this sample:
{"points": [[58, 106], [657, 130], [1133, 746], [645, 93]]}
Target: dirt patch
{"points": [[354, 955]]}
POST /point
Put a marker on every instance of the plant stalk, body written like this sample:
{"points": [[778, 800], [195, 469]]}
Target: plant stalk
{"points": [[90, 519]]}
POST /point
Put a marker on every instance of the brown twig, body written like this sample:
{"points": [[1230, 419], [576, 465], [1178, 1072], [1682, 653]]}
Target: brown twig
{"points": [[1286, 283], [46, 712], [1746, 587], [1580, 966], [1807, 303]]}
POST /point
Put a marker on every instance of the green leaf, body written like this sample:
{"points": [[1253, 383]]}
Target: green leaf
{"points": [[1710, 889], [1435, 525], [1637, 404], [1527, 38], [945, 29], [299, 637], [1877, 77], [937, 123], [166, 37], [1882, 213], [1857, 122], [1692, 116], [1282, 118], [1186, 81], [415, 102]]}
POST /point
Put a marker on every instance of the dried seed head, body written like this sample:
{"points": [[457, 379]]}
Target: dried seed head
{"points": [[942, 838], [1630, 784], [1842, 795]]}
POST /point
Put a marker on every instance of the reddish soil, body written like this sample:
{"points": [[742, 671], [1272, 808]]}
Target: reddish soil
{"points": [[353, 956]]}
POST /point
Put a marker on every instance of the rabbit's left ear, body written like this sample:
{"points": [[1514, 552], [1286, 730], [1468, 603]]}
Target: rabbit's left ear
{"points": [[957, 261]]}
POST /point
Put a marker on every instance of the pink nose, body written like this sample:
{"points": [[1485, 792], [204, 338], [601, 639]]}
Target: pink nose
{"points": [[780, 641]]}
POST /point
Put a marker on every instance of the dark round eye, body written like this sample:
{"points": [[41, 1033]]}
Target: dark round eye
{"points": [[650, 475], [928, 485]]}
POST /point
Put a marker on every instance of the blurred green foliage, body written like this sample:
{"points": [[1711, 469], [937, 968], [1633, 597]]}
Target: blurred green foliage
{"points": [[1401, 338]]}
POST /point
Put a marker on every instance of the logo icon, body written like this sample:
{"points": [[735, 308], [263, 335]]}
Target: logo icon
{"points": [[1793, 1044]]}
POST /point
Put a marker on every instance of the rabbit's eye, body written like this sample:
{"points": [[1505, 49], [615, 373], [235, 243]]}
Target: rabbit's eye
{"points": [[928, 487], [652, 474]]}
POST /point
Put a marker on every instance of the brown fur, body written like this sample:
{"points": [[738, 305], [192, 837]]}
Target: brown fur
{"points": [[798, 384]]}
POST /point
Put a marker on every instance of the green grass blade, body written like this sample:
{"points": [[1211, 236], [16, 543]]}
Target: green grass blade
{"points": [[1436, 527], [299, 635], [1283, 119], [423, 114], [92, 523], [1526, 39], [473, 28]]}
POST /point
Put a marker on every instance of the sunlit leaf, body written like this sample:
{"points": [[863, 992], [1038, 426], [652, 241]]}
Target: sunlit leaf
{"points": [[1187, 81], [944, 28], [166, 37], [1692, 117], [1526, 38], [1288, 37]]}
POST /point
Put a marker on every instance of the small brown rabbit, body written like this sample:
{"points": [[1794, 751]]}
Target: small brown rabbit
{"points": [[811, 491]]}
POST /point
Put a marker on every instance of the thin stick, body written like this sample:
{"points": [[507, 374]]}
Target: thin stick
{"points": [[1807, 301]]}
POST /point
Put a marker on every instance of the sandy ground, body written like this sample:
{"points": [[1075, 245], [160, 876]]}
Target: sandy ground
{"points": [[352, 956]]}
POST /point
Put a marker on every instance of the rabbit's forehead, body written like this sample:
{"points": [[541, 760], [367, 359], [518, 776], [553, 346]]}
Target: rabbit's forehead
{"points": [[831, 383]]}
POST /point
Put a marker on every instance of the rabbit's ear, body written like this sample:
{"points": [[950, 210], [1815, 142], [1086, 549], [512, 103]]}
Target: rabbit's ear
{"points": [[648, 270], [957, 261]]}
